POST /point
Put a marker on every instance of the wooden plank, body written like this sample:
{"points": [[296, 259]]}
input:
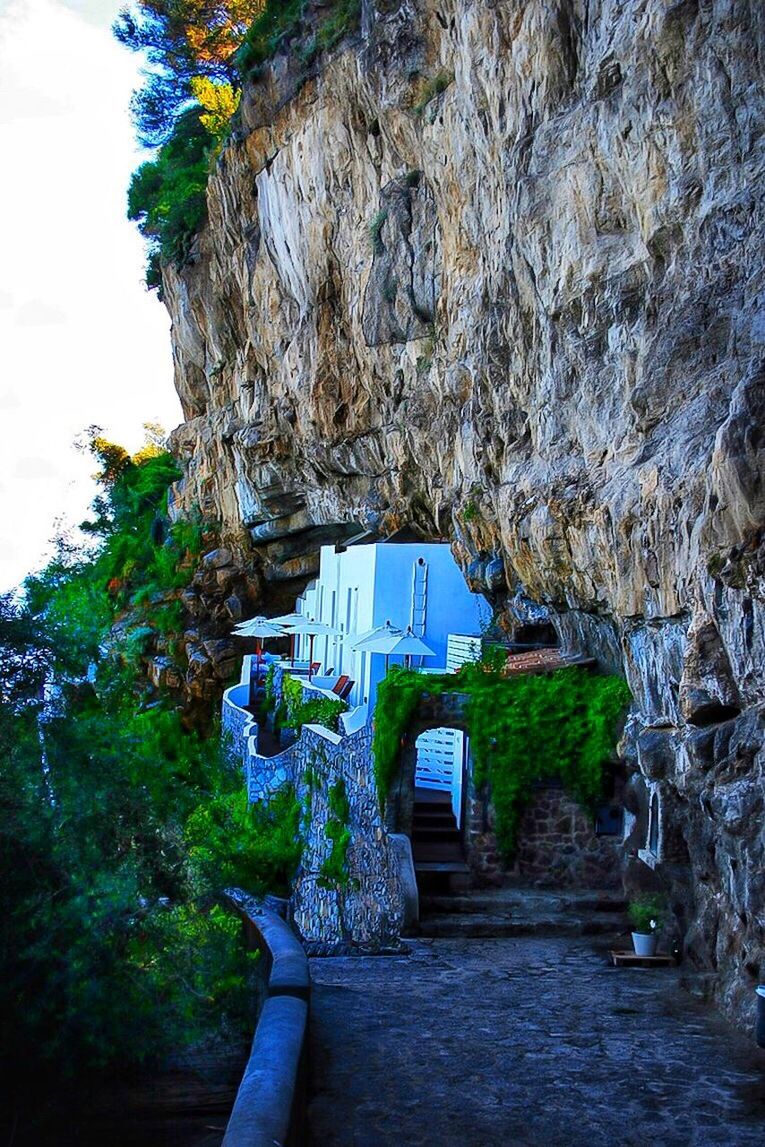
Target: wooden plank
{"points": [[624, 959]]}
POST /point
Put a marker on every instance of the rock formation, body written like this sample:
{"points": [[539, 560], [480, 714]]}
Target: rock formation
{"points": [[494, 269]]}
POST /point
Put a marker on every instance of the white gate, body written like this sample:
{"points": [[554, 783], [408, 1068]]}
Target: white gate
{"points": [[440, 754]]}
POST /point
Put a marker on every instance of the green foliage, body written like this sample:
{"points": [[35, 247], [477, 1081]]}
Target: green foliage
{"points": [[276, 23], [647, 912], [167, 196], [256, 847], [118, 825], [282, 20], [344, 17], [334, 869], [521, 729], [430, 88], [469, 511], [375, 230], [309, 710]]}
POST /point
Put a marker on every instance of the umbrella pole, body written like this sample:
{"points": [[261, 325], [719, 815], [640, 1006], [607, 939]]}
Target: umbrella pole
{"points": [[253, 681], [311, 639]]}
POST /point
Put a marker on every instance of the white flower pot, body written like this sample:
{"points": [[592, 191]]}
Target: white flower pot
{"points": [[645, 943]]}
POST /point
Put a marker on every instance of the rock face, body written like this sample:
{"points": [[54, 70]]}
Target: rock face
{"points": [[525, 314]]}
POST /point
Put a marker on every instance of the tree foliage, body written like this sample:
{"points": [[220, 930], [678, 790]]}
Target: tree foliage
{"points": [[167, 195], [180, 40], [118, 826]]}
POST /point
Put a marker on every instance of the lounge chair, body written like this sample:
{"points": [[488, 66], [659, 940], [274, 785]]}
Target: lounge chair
{"points": [[343, 686]]}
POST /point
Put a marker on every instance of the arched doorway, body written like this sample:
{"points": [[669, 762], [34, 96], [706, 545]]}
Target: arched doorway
{"points": [[438, 846], [440, 768]]}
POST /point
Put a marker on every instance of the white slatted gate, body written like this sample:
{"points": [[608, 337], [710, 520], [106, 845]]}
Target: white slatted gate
{"points": [[440, 754]]}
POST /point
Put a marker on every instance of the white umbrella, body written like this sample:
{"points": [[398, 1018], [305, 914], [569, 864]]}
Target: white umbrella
{"points": [[373, 636], [410, 646], [288, 620], [259, 628], [313, 629]]}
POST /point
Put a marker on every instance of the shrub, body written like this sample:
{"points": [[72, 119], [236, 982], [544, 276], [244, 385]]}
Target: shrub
{"points": [[301, 710], [375, 231], [430, 88]]}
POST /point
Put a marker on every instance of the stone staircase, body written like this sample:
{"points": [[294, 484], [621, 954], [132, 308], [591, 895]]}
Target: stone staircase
{"points": [[448, 908], [523, 911], [439, 858]]}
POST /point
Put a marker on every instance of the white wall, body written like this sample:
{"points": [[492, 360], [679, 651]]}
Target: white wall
{"points": [[365, 586]]}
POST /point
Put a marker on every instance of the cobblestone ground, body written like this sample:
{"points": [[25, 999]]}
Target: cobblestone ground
{"points": [[515, 1042]]}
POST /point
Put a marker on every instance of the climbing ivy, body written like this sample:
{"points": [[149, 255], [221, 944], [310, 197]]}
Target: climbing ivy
{"points": [[334, 869], [521, 729], [308, 711]]}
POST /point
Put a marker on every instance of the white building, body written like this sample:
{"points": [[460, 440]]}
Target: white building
{"points": [[360, 587], [415, 584]]}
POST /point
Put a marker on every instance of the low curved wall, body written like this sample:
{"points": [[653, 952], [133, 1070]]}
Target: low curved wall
{"points": [[269, 1110]]}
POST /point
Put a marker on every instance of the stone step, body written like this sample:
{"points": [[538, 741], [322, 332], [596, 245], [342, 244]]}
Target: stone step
{"points": [[445, 818], [434, 833], [505, 903], [484, 924], [439, 851]]}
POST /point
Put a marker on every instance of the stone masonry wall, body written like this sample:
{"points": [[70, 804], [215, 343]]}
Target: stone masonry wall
{"points": [[557, 845], [367, 911]]}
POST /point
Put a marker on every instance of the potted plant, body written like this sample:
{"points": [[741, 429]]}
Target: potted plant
{"points": [[647, 914]]}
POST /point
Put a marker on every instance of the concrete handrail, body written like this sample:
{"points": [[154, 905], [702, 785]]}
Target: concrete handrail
{"points": [[269, 1106]]}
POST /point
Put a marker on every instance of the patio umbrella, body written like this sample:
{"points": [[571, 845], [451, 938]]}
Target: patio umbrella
{"points": [[259, 628], [410, 646], [288, 620], [374, 636], [392, 640], [312, 629]]}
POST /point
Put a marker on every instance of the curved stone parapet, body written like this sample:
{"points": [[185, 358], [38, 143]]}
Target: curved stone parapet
{"points": [[269, 1106]]}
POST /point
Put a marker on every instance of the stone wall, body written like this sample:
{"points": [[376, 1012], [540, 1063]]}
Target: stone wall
{"points": [[558, 846], [366, 911]]}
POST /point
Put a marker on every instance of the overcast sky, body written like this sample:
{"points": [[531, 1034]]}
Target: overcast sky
{"points": [[81, 341]]}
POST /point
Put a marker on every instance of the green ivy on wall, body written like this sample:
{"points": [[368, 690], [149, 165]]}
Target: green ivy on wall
{"points": [[300, 710], [334, 869], [521, 729]]}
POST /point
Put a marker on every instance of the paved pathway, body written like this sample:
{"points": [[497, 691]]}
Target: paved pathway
{"points": [[521, 1042]]}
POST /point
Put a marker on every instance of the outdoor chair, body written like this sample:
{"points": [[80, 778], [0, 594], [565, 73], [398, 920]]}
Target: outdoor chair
{"points": [[343, 686]]}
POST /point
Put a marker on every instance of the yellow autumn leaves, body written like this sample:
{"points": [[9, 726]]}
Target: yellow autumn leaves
{"points": [[219, 101]]}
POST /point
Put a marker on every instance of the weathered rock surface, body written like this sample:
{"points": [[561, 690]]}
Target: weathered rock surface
{"points": [[528, 317]]}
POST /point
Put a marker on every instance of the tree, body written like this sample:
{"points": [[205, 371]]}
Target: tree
{"points": [[181, 40]]}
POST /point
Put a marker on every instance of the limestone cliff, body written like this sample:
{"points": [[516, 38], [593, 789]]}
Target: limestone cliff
{"points": [[494, 268]]}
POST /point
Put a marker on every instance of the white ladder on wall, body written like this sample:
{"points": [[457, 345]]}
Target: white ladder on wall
{"points": [[419, 597]]}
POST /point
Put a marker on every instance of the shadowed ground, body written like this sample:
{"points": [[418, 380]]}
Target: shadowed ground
{"points": [[523, 1041]]}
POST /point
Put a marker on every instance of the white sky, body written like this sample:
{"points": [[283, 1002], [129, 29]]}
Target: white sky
{"points": [[81, 341]]}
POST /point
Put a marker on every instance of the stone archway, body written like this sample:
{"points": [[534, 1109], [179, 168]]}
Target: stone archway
{"points": [[559, 842], [443, 710]]}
